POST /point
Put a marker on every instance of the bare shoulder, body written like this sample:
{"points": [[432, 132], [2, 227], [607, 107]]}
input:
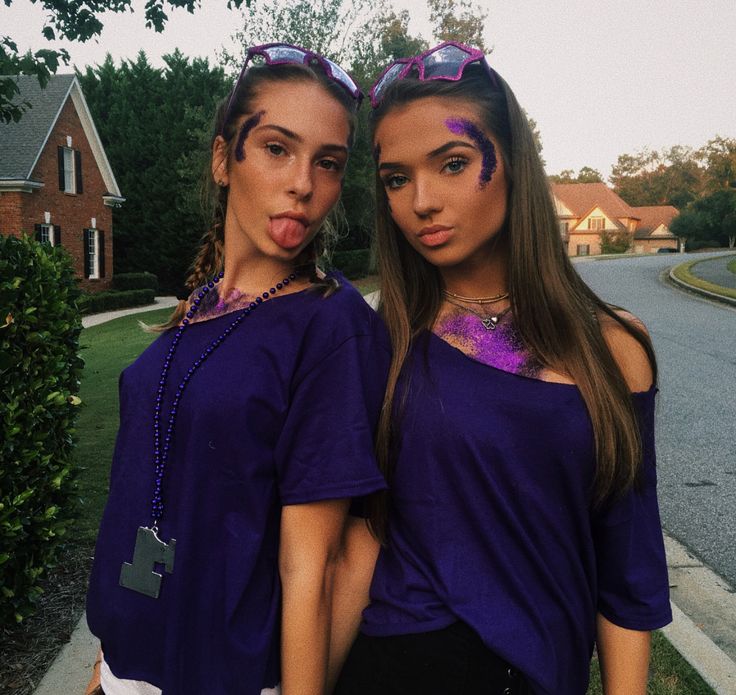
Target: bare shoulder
{"points": [[629, 354]]}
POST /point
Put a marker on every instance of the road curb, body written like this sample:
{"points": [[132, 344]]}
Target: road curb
{"points": [[699, 290]]}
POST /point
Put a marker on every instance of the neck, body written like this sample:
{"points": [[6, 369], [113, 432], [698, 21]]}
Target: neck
{"points": [[485, 277]]}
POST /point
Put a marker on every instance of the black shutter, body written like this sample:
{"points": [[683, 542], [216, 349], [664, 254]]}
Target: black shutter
{"points": [[78, 170], [101, 251], [60, 151], [86, 253], [37, 227], [57, 235]]}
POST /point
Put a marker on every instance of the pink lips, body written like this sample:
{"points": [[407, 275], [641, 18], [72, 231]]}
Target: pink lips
{"points": [[435, 235], [288, 230]]}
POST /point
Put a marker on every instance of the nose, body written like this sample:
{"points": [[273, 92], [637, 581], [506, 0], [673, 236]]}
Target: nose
{"points": [[301, 183], [426, 201]]}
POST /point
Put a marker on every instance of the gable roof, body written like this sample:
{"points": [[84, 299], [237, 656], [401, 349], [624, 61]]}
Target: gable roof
{"points": [[652, 216], [582, 198], [21, 143]]}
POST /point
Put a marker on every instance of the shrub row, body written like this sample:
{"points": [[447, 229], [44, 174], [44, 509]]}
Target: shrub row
{"points": [[108, 301], [353, 264], [134, 281], [40, 371]]}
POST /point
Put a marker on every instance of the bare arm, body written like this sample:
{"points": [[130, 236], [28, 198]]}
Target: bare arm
{"points": [[310, 541], [624, 658], [350, 597]]}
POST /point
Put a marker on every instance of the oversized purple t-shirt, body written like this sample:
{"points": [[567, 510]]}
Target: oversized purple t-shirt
{"points": [[283, 412], [491, 523]]}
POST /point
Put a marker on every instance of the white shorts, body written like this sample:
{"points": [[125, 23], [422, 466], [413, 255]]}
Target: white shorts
{"points": [[120, 686]]}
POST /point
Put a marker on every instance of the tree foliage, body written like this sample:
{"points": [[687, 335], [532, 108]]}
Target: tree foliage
{"points": [[615, 242], [458, 20], [585, 175], [708, 221], [155, 127], [74, 20]]}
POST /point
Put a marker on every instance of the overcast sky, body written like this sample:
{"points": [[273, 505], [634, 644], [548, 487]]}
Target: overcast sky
{"points": [[600, 78]]}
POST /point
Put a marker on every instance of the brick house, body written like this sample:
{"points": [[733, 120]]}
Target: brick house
{"points": [[587, 210], [55, 181]]}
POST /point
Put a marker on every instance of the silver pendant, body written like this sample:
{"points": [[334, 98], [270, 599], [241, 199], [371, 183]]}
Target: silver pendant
{"points": [[489, 323], [149, 550]]}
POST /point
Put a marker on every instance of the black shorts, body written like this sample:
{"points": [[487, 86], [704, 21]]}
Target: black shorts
{"points": [[452, 661]]}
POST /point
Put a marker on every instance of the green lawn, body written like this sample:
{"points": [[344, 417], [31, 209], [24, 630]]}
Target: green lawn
{"points": [[110, 347], [732, 266]]}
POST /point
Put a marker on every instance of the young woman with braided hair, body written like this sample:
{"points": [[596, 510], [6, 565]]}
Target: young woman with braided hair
{"points": [[521, 524], [247, 426]]}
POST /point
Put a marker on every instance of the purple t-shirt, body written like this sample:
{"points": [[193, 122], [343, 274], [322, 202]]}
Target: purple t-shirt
{"points": [[283, 412], [491, 523]]}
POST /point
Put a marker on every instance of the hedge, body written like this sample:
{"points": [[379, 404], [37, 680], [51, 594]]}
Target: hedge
{"points": [[107, 301], [134, 281], [353, 264], [40, 371]]}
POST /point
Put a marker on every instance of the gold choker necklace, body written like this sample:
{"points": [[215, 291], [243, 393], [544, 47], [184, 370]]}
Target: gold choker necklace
{"points": [[476, 300]]}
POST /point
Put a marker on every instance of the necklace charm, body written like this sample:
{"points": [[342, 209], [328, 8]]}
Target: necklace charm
{"points": [[149, 550], [489, 323]]}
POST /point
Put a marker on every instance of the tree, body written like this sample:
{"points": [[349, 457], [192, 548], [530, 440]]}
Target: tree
{"points": [[585, 175], [155, 125], [458, 20], [615, 242], [690, 227], [669, 177], [75, 20], [719, 158]]}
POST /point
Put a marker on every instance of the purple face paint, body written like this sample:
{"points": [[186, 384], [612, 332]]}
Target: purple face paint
{"points": [[247, 126], [461, 126]]}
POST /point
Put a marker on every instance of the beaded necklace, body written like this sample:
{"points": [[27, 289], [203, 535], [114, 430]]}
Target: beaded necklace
{"points": [[149, 548]]}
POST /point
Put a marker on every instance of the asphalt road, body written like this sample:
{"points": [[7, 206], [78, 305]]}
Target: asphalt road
{"points": [[695, 340]]}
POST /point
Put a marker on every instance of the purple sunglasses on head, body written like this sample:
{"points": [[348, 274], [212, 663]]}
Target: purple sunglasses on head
{"points": [[444, 62], [284, 53]]}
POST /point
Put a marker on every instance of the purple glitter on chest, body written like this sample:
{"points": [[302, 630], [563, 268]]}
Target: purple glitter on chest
{"points": [[461, 126], [245, 129], [501, 348]]}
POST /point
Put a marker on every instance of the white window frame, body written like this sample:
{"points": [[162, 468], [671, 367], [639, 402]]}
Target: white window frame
{"points": [[94, 254], [597, 223], [47, 230], [70, 177]]}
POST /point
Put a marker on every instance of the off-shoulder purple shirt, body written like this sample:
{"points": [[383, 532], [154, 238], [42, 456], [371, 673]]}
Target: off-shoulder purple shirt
{"points": [[491, 522], [282, 413]]}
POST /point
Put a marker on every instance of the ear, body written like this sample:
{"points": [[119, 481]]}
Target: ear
{"points": [[219, 162]]}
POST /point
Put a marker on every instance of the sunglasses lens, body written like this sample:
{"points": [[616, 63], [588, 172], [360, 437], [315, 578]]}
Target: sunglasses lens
{"points": [[390, 75], [341, 76], [284, 54], [444, 62]]}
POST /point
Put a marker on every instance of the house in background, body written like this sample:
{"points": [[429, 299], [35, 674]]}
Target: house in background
{"points": [[586, 210], [55, 180]]}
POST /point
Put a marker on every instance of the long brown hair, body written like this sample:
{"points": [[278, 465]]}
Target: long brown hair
{"points": [[210, 257], [555, 311]]}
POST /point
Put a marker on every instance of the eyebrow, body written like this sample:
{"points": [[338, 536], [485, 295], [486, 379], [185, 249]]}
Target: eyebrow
{"points": [[434, 153], [291, 135]]}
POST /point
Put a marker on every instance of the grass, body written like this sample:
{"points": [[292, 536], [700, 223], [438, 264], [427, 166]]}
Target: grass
{"points": [[732, 266], [683, 272]]}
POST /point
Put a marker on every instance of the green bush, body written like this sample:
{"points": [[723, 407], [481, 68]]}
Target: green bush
{"points": [[40, 371], [353, 264], [135, 281], [108, 301], [615, 242]]}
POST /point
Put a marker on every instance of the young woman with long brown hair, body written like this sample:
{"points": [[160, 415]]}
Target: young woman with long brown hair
{"points": [[521, 524], [248, 424]]}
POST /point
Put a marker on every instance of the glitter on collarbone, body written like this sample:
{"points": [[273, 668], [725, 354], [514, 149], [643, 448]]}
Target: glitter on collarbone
{"points": [[501, 348]]}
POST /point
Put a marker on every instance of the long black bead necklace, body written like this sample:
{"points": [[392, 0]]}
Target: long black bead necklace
{"points": [[149, 549]]}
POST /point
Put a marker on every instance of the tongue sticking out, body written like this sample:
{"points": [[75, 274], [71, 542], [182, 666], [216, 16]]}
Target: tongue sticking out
{"points": [[287, 232]]}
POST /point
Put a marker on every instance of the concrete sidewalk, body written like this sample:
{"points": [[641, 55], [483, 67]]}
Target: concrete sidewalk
{"points": [[95, 319]]}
